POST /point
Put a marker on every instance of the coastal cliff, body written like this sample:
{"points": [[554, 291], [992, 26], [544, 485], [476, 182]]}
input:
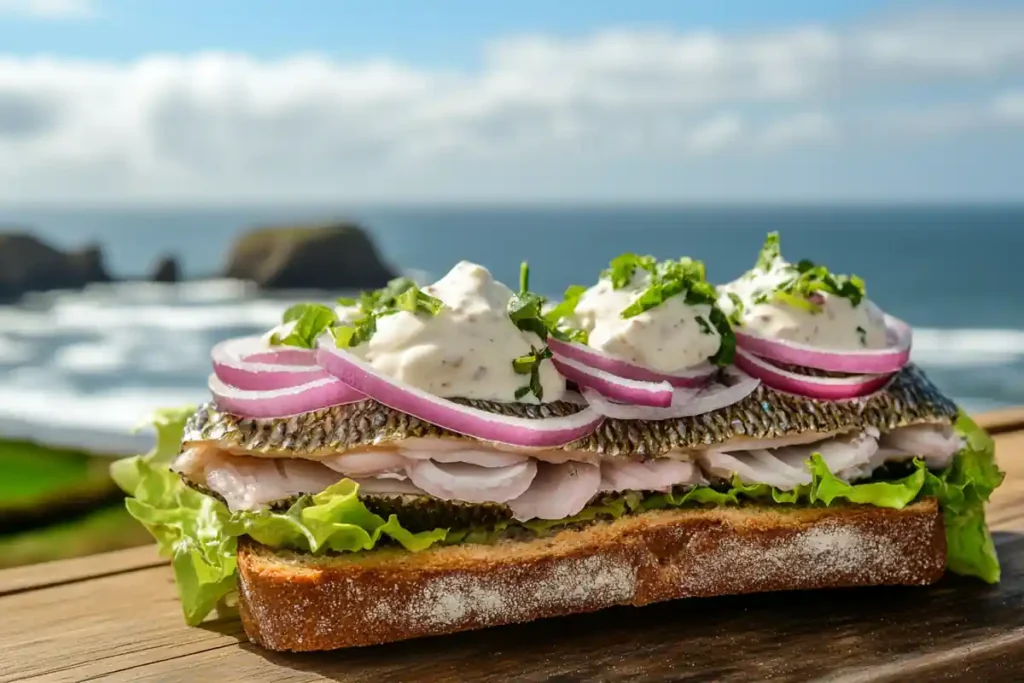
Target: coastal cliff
{"points": [[333, 256], [27, 264], [330, 256]]}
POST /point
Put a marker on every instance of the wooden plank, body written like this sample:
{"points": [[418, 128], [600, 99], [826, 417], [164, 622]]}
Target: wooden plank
{"points": [[19, 579], [77, 629], [793, 636], [128, 626], [1000, 421]]}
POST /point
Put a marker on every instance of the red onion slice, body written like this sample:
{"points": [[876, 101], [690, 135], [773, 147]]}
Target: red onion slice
{"points": [[732, 387], [471, 483], [581, 353], [321, 393], [248, 363], [826, 388], [616, 388], [479, 424], [867, 361]]}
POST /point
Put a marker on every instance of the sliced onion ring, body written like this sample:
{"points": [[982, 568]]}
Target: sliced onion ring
{"points": [[825, 388], [480, 424], [581, 353], [472, 483], [614, 387], [249, 363], [733, 386], [315, 395], [861, 362]]}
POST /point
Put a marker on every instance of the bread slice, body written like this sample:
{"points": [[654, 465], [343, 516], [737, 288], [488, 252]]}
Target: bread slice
{"points": [[292, 601]]}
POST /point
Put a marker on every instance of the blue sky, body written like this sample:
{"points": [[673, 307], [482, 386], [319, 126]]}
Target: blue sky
{"points": [[440, 32], [454, 100]]}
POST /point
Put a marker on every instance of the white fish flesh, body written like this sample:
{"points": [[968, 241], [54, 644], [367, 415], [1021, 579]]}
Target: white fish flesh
{"points": [[558, 491], [654, 475]]}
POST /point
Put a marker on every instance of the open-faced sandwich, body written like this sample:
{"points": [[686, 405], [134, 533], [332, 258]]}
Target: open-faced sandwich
{"points": [[424, 461]]}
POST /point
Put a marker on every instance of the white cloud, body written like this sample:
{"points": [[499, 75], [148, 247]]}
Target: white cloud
{"points": [[1009, 108], [230, 126], [806, 128], [1002, 110], [716, 133], [48, 9]]}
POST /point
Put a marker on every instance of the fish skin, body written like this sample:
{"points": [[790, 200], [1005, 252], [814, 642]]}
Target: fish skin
{"points": [[909, 399]]}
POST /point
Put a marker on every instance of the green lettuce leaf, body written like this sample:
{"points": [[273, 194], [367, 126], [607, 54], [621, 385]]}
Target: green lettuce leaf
{"points": [[200, 535], [962, 491]]}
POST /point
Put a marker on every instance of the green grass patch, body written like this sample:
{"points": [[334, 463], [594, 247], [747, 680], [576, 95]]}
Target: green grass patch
{"points": [[38, 480], [108, 528], [58, 503]]}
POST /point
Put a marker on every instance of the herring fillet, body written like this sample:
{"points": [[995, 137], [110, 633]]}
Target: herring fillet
{"points": [[909, 399]]}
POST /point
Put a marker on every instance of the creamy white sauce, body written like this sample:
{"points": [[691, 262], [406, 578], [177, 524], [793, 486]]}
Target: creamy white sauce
{"points": [[464, 351], [838, 325], [665, 338]]}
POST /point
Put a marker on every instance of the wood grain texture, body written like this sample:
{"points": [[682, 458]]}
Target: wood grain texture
{"points": [[116, 618], [36, 576]]}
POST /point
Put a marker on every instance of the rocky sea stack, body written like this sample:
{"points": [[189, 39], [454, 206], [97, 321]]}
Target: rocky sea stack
{"points": [[331, 256], [27, 264]]}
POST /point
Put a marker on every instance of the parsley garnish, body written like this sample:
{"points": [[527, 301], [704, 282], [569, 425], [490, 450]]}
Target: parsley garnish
{"points": [[736, 316], [769, 252], [685, 277], [401, 294], [311, 321], [805, 280], [671, 278], [567, 307], [623, 267], [530, 365], [525, 308]]}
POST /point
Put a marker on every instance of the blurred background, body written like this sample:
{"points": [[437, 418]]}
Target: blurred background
{"points": [[146, 144]]}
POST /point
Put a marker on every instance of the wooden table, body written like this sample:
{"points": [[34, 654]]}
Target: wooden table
{"points": [[116, 617]]}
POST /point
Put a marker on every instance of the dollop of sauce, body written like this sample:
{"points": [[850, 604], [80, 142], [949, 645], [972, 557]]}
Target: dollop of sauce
{"points": [[465, 350], [670, 337], [838, 325]]}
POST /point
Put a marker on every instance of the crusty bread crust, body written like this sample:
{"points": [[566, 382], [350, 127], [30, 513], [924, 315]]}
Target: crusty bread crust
{"points": [[291, 601]]}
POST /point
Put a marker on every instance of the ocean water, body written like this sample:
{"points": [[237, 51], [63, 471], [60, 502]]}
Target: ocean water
{"points": [[84, 367]]}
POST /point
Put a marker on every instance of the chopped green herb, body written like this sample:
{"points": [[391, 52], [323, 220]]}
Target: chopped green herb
{"points": [[727, 339], [623, 267], [769, 252], [863, 334], [736, 315], [401, 294], [671, 278], [805, 280], [567, 307], [564, 311], [783, 297], [685, 277], [415, 300], [310, 322], [530, 365], [525, 308]]}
